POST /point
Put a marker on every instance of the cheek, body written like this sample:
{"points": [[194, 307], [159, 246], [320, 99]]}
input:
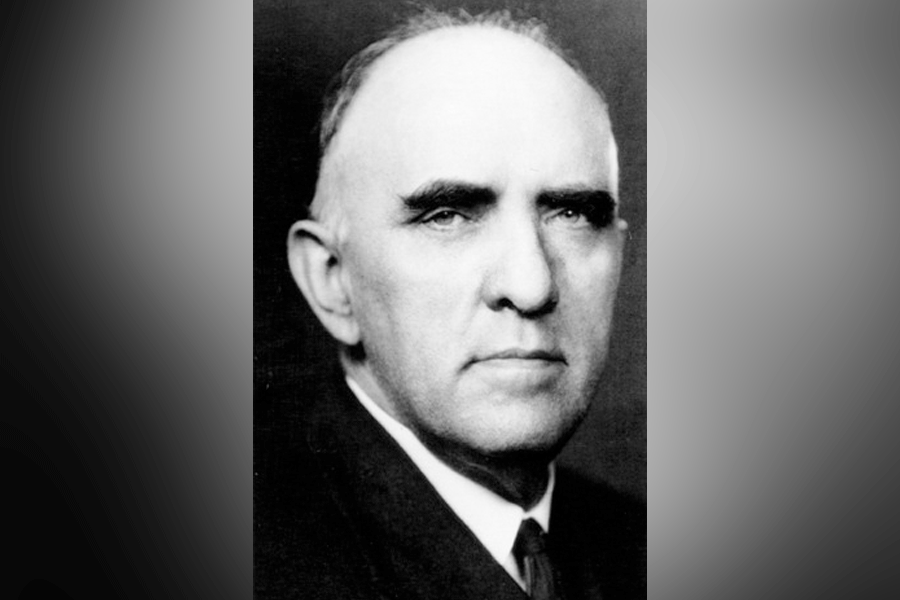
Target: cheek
{"points": [[403, 299], [587, 299], [426, 278], [592, 279]]}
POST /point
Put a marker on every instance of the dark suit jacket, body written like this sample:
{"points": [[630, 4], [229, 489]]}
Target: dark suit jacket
{"points": [[340, 511]]}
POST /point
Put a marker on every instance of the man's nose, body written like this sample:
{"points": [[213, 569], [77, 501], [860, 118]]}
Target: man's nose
{"points": [[521, 276]]}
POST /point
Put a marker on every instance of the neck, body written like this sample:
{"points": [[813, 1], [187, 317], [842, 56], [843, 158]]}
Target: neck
{"points": [[520, 477]]}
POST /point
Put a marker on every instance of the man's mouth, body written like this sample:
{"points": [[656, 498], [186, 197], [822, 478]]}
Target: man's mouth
{"points": [[520, 358]]}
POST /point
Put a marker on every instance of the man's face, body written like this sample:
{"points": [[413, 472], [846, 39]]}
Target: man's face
{"points": [[481, 251]]}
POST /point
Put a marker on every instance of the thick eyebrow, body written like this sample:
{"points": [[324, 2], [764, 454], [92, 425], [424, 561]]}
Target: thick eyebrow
{"points": [[448, 194], [598, 205]]}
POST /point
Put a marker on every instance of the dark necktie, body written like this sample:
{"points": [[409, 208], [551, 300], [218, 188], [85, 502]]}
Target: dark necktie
{"points": [[530, 551]]}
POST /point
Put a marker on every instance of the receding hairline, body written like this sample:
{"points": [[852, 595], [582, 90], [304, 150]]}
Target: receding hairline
{"points": [[344, 87], [347, 85]]}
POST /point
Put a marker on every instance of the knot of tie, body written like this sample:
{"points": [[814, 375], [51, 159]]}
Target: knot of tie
{"points": [[530, 540]]}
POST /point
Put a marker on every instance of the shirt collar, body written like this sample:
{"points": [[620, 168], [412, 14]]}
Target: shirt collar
{"points": [[493, 519]]}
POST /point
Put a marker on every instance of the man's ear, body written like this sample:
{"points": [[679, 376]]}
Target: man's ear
{"points": [[317, 268]]}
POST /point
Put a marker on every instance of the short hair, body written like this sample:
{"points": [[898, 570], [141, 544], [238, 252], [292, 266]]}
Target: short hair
{"points": [[346, 84]]}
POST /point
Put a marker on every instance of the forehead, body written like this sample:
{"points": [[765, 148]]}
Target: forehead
{"points": [[479, 104]]}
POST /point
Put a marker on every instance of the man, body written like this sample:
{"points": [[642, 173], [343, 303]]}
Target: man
{"points": [[464, 250]]}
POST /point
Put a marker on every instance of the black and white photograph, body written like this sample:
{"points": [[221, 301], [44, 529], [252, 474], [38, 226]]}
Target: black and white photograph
{"points": [[449, 300]]}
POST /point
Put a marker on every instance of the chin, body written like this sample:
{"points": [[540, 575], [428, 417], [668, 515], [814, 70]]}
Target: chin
{"points": [[536, 433]]}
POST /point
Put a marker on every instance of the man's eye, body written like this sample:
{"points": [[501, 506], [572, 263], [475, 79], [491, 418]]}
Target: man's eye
{"points": [[443, 218], [570, 214], [574, 216], [585, 216]]}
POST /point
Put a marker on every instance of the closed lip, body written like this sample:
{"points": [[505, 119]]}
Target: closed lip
{"points": [[517, 355]]}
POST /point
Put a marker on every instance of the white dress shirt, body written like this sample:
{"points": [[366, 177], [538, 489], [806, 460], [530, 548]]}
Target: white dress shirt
{"points": [[493, 519]]}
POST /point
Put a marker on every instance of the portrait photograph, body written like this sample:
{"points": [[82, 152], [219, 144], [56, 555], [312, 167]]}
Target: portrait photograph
{"points": [[449, 300]]}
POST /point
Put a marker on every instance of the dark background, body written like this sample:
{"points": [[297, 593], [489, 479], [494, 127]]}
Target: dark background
{"points": [[298, 47]]}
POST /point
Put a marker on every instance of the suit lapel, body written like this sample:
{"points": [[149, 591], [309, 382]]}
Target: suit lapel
{"points": [[415, 544]]}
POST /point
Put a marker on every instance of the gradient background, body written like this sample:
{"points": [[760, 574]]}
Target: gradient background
{"points": [[126, 191]]}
